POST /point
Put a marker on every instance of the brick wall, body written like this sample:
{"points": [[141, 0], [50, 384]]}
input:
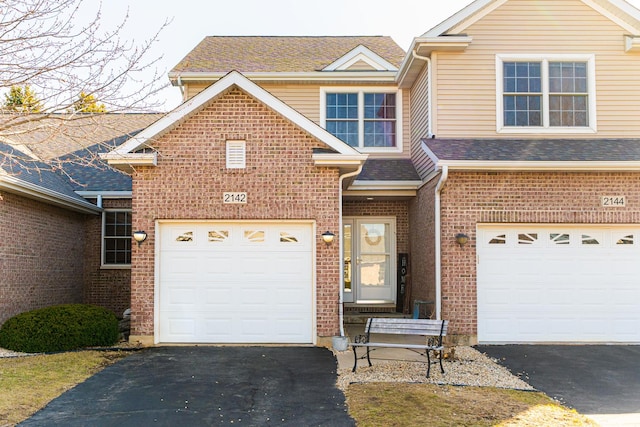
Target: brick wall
{"points": [[106, 287], [41, 255], [518, 197], [422, 244], [280, 179]]}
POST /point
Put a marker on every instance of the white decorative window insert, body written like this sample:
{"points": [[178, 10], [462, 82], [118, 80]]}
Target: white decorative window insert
{"points": [[589, 240], [254, 236], [552, 93], [236, 154], [500, 239], [218, 236], [559, 238], [287, 237], [527, 238], [625, 240], [185, 237]]}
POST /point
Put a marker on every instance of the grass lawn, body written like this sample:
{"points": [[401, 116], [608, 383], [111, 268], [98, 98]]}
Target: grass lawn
{"points": [[406, 405], [27, 384]]}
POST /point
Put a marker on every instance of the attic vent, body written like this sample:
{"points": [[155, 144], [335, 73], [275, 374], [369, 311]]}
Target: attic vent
{"points": [[236, 155]]}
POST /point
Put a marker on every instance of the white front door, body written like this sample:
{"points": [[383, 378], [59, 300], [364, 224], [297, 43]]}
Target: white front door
{"points": [[242, 282], [369, 255]]}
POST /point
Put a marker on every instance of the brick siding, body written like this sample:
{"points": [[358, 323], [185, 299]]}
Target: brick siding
{"points": [[518, 197], [280, 179], [107, 287], [41, 255]]}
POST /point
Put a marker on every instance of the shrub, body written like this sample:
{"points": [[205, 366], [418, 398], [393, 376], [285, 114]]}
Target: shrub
{"points": [[59, 328]]}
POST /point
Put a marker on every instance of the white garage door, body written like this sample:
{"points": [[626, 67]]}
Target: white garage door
{"points": [[559, 283], [235, 283]]}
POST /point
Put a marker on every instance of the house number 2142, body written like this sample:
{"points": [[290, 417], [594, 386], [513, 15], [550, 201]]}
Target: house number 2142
{"points": [[234, 197]]}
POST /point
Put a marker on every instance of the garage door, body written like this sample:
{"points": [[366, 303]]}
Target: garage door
{"points": [[235, 283], [560, 283]]}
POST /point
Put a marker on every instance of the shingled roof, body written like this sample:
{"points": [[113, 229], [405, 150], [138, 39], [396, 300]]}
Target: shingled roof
{"points": [[535, 150], [249, 54]]}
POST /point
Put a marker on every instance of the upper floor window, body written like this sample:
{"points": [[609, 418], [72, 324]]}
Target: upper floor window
{"points": [[363, 119], [554, 93], [116, 238]]}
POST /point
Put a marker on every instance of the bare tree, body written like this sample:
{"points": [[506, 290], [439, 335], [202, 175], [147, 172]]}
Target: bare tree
{"points": [[46, 46]]}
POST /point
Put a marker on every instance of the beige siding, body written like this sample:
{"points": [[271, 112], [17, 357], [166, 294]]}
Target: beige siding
{"points": [[305, 98], [419, 123], [361, 66], [465, 95]]}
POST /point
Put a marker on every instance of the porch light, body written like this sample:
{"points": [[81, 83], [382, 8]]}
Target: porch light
{"points": [[462, 239], [139, 236], [328, 237]]}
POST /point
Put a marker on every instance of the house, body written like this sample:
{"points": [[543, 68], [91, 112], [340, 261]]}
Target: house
{"points": [[55, 240], [489, 176]]}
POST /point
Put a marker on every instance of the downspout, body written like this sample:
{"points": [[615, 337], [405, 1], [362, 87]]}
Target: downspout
{"points": [[428, 61], [181, 87], [340, 248], [439, 188]]}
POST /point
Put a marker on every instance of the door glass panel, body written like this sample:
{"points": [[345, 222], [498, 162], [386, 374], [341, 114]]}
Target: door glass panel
{"points": [[346, 233], [373, 270], [373, 238]]}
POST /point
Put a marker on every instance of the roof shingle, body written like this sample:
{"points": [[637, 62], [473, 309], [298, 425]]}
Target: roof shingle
{"points": [[247, 54]]}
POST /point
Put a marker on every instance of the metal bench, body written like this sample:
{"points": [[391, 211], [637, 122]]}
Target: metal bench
{"points": [[432, 330]]}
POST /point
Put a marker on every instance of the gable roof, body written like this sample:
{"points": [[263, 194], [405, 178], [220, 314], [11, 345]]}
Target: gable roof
{"points": [[619, 11], [450, 34], [135, 151], [535, 154], [248, 54]]}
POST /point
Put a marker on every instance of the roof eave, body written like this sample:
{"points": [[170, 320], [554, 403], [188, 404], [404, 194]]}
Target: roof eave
{"points": [[179, 78], [346, 163], [362, 185], [424, 46], [126, 162], [36, 192]]}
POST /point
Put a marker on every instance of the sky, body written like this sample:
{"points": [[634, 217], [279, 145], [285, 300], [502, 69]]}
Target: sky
{"points": [[192, 20]]}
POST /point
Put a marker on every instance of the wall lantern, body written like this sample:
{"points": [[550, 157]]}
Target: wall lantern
{"points": [[462, 239], [328, 237], [139, 236]]}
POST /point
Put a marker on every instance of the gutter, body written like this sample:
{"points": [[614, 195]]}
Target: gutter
{"points": [[32, 191], [428, 61], [341, 249], [438, 232]]}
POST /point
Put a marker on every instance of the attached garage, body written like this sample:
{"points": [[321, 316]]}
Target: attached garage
{"points": [[558, 283], [235, 282]]}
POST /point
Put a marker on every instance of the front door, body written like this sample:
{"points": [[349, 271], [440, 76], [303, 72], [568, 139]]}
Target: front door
{"points": [[369, 260]]}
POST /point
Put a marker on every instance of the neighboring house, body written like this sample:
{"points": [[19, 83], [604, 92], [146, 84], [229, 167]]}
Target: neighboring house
{"points": [[57, 228], [533, 152], [489, 176]]}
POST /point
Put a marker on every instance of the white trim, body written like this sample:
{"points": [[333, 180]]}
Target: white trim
{"points": [[632, 44], [544, 59], [458, 17], [103, 265], [195, 104], [361, 90], [623, 6], [360, 53], [32, 191], [129, 160], [104, 194]]}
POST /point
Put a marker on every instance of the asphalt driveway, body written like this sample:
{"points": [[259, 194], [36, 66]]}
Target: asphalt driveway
{"points": [[207, 386], [593, 379]]}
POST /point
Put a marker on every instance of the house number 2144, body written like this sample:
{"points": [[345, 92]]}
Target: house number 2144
{"points": [[234, 197], [614, 201]]}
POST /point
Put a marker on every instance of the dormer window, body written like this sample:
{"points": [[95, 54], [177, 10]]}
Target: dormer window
{"points": [[553, 93], [364, 119]]}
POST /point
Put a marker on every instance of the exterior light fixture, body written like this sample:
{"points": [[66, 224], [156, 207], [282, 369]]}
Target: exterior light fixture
{"points": [[462, 239], [328, 237], [139, 236]]}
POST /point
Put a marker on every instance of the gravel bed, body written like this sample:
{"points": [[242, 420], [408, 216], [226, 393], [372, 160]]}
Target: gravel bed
{"points": [[468, 367], [9, 353]]}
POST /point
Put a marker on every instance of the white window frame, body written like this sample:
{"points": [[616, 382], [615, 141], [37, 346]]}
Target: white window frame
{"points": [[544, 59], [361, 91], [103, 264]]}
